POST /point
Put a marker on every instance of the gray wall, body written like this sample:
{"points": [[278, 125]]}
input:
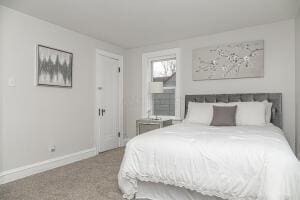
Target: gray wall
{"points": [[298, 82], [36, 117], [279, 71]]}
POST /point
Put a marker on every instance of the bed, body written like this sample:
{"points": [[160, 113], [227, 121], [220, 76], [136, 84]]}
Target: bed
{"points": [[192, 161]]}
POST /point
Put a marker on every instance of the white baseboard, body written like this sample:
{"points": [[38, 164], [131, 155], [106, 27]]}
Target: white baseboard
{"points": [[21, 172]]}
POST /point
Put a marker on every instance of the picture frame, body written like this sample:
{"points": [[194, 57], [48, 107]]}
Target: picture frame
{"points": [[54, 67], [229, 61]]}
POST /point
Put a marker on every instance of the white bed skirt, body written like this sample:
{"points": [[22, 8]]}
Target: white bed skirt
{"points": [[159, 191]]}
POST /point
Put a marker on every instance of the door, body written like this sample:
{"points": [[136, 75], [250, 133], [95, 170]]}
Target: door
{"points": [[107, 102]]}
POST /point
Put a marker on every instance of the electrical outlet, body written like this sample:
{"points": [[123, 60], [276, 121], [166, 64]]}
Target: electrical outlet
{"points": [[11, 82], [52, 148]]}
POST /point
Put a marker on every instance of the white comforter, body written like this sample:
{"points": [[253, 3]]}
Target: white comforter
{"points": [[236, 163]]}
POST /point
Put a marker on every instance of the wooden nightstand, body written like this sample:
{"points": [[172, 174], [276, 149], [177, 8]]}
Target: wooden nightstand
{"points": [[145, 125]]}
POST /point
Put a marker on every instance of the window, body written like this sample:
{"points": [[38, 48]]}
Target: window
{"points": [[164, 71], [162, 66]]}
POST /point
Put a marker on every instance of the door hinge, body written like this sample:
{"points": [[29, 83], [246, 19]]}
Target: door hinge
{"points": [[119, 134], [119, 69]]}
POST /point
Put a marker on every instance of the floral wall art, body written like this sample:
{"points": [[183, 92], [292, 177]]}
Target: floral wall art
{"points": [[236, 60]]}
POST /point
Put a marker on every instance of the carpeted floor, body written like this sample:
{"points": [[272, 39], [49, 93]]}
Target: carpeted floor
{"points": [[91, 179]]}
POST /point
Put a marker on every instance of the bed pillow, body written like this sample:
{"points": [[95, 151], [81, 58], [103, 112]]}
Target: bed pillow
{"points": [[202, 112], [247, 113], [199, 113], [268, 111], [251, 113], [224, 116]]}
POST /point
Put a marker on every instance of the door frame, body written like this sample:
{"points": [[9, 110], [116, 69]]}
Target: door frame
{"points": [[121, 127]]}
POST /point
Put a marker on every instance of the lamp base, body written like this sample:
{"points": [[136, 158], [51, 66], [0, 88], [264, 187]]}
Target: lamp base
{"points": [[157, 118]]}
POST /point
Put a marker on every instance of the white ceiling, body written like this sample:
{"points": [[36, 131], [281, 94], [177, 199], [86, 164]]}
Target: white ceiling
{"points": [[134, 23]]}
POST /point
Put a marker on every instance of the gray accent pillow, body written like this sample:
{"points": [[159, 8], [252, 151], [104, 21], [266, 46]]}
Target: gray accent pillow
{"points": [[224, 116]]}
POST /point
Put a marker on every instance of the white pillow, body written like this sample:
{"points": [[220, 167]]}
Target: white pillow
{"points": [[248, 113], [268, 110], [251, 113], [200, 113]]}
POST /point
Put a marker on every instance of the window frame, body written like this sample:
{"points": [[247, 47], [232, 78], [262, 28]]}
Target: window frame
{"points": [[147, 60]]}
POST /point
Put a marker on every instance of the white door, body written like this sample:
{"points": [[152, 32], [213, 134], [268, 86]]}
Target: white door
{"points": [[107, 102]]}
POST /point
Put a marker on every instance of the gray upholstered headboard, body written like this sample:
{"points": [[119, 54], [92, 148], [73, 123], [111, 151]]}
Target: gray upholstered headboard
{"points": [[275, 98]]}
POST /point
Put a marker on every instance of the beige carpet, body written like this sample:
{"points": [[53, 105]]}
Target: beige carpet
{"points": [[90, 179]]}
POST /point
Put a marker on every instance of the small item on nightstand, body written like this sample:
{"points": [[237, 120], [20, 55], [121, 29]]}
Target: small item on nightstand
{"points": [[157, 118]]}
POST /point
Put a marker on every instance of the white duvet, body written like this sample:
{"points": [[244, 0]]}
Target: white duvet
{"points": [[236, 163]]}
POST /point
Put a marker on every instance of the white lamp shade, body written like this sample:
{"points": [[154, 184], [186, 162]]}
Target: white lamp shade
{"points": [[156, 87]]}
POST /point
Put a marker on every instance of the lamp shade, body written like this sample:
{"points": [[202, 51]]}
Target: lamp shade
{"points": [[156, 87]]}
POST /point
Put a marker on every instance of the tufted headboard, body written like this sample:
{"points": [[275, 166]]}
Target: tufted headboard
{"points": [[275, 98]]}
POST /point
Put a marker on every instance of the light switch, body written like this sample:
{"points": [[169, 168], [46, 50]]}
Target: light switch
{"points": [[11, 82]]}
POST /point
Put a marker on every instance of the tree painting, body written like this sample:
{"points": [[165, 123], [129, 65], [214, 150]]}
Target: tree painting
{"points": [[54, 67], [237, 60]]}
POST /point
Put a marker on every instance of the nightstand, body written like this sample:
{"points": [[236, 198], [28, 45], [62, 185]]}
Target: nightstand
{"points": [[145, 125]]}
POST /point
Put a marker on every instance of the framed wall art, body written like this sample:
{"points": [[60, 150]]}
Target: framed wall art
{"points": [[54, 67], [236, 60]]}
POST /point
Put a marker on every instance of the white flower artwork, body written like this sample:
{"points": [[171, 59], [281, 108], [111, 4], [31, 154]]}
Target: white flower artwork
{"points": [[237, 60]]}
